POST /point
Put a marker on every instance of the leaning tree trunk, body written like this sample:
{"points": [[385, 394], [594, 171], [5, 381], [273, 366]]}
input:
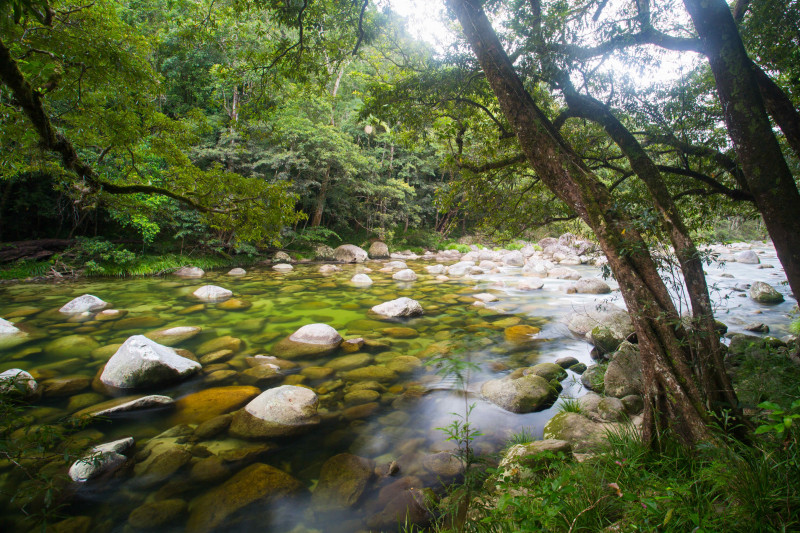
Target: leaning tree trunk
{"points": [[768, 176], [319, 205], [671, 394]]}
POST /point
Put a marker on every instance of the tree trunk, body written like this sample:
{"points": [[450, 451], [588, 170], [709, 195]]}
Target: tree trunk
{"points": [[319, 205], [671, 394], [780, 108], [768, 176]]}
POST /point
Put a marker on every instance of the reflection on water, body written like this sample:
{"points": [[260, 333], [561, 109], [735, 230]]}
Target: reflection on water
{"points": [[395, 419]]}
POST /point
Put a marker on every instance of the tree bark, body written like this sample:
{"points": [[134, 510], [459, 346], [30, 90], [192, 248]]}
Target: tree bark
{"points": [[768, 176], [319, 205], [671, 394], [780, 108]]}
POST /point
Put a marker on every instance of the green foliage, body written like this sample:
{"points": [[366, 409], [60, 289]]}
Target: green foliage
{"points": [[463, 248], [781, 422]]}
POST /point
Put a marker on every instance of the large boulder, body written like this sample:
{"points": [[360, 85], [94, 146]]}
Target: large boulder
{"points": [[400, 307], [624, 373], [342, 481], [101, 460], [212, 293], [564, 273], [209, 403], [83, 304], [258, 484], [378, 250], [608, 336], [350, 253], [142, 363], [310, 340], [581, 432], [523, 460], [8, 328], [282, 411], [748, 257], [361, 279], [521, 395], [323, 252], [461, 268], [764, 293], [591, 286]]}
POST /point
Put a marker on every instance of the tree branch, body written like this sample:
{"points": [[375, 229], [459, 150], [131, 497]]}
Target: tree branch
{"points": [[493, 165]]}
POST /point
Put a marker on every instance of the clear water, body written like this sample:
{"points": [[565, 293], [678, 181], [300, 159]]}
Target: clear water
{"points": [[403, 428]]}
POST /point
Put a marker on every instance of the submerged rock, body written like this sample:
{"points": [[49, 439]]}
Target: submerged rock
{"points": [[173, 336], [282, 411], [209, 403], [311, 340], [71, 346], [521, 333], [350, 253], [126, 404], [83, 304], [257, 484], [400, 307], [342, 481], [283, 267], [157, 513], [212, 293], [142, 363], [237, 272]]}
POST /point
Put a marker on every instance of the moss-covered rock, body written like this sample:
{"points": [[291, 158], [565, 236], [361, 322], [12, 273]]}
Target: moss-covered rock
{"points": [[549, 371], [210, 403], [521, 395], [342, 481], [157, 514]]}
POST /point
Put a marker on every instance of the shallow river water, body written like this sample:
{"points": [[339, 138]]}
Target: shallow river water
{"points": [[400, 423]]}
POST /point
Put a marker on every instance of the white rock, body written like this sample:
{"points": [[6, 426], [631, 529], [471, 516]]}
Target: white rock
{"points": [[461, 268], [563, 273], [487, 265], [530, 285], [405, 275], [141, 363], [237, 272], [396, 265], [102, 459], [441, 277], [485, 297], [591, 286], [515, 259], [748, 257], [7, 328], [434, 269], [190, 272], [361, 279], [212, 293], [329, 269], [16, 379], [144, 402], [316, 334], [281, 411], [401, 307], [83, 304], [283, 267]]}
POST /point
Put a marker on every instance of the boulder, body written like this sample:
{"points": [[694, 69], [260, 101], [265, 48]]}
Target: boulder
{"points": [[281, 257], [342, 481], [434, 270], [401, 307], [764, 293], [521, 395], [444, 465], [282, 411], [189, 272], [8, 328], [520, 334], [212, 293], [581, 432], [748, 257], [237, 272], [461, 268], [585, 319], [530, 285], [156, 514], [608, 336], [532, 455], [225, 342], [378, 250], [71, 346], [591, 286], [83, 304], [405, 275], [310, 340], [548, 371], [514, 259], [102, 459], [142, 363], [283, 267], [257, 484], [592, 378], [361, 279], [485, 297], [624, 373], [18, 382], [350, 253]]}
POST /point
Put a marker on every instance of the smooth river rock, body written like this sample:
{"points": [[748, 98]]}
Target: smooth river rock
{"points": [[83, 304], [212, 293], [378, 250], [189, 272], [361, 279], [142, 363], [405, 275], [173, 336], [400, 307], [765, 293], [521, 395], [342, 481], [18, 381], [102, 459], [748, 257], [282, 411]]}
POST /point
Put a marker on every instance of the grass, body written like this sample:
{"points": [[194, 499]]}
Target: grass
{"points": [[570, 405]]}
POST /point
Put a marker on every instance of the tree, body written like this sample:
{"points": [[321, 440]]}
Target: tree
{"points": [[680, 384]]}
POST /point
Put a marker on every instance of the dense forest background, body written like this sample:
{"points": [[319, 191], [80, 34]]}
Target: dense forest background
{"points": [[282, 125]]}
